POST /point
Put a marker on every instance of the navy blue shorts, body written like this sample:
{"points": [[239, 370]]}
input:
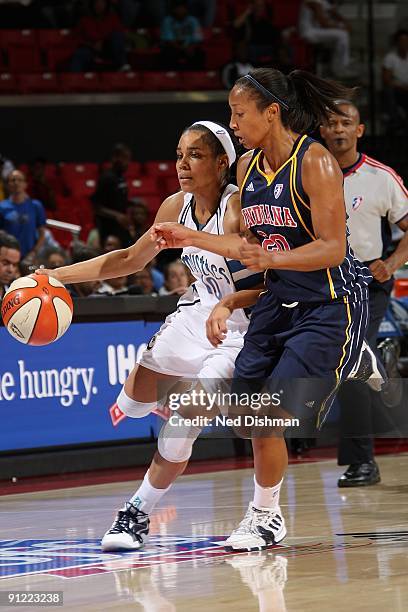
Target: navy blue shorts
{"points": [[304, 351]]}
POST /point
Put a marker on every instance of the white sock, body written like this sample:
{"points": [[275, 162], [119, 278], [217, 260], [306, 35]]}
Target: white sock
{"points": [[146, 497], [267, 497]]}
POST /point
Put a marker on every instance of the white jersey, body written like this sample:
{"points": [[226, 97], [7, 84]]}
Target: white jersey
{"points": [[374, 195], [216, 276]]}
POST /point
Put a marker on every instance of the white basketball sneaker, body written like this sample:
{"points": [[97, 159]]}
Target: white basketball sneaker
{"points": [[129, 530], [260, 528]]}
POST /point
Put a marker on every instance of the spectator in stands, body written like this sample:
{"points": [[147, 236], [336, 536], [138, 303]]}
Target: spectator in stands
{"points": [[114, 286], [41, 187], [143, 280], [176, 280], [111, 243], [181, 39], [101, 39], [157, 275], [23, 217], [82, 252], [9, 260], [238, 67], [111, 196], [6, 166], [138, 214], [54, 257], [254, 25], [320, 24], [395, 79]]}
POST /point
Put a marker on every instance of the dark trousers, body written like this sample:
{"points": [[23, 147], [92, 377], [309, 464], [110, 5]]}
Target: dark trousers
{"points": [[356, 444]]}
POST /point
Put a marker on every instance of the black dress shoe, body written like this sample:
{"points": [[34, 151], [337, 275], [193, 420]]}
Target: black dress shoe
{"points": [[360, 475]]}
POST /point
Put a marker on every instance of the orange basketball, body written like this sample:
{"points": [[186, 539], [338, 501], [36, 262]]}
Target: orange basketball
{"points": [[37, 309]]}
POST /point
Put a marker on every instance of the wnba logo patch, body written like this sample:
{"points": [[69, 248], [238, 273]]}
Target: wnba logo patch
{"points": [[277, 190], [356, 201]]}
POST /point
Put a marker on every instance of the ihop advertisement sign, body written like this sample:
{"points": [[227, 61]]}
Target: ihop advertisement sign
{"points": [[61, 393]]}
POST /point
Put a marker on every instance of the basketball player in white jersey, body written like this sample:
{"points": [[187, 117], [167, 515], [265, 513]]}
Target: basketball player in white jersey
{"points": [[181, 349]]}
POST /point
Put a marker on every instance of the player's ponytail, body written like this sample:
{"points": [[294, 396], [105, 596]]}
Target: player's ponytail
{"points": [[316, 99], [305, 99]]}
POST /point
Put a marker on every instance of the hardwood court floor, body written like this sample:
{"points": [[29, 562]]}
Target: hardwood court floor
{"points": [[345, 549]]}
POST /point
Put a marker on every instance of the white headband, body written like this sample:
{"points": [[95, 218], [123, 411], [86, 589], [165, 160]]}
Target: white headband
{"points": [[223, 136]]}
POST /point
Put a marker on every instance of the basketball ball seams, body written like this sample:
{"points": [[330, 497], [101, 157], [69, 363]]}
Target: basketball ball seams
{"points": [[35, 324], [61, 327], [17, 331]]}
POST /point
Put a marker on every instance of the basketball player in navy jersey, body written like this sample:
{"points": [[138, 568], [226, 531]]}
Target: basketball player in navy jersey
{"points": [[311, 321], [375, 196]]}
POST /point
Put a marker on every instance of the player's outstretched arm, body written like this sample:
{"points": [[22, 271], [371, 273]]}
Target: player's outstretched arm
{"points": [[174, 235], [216, 324], [121, 262]]}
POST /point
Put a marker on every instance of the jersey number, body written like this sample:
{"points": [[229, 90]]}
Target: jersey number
{"points": [[212, 286], [274, 242]]}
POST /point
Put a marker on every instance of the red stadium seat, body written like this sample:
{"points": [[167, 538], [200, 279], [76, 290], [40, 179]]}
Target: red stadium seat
{"points": [[59, 57], [24, 168], [153, 203], [160, 81], [134, 170], [37, 83], [120, 81], [81, 187], [79, 82], [24, 59], [54, 37], [160, 168], [169, 185], [217, 53], [58, 46], [8, 83], [72, 174], [287, 14], [20, 38], [144, 186], [201, 80]]}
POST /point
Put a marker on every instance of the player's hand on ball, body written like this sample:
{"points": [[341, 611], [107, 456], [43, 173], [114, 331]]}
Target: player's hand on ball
{"points": [[216, 324], [171, 235], [254, 257], [54, 273], [42, 270]]}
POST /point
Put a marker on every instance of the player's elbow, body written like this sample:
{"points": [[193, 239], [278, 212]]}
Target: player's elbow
{"points": [[337, 254]]}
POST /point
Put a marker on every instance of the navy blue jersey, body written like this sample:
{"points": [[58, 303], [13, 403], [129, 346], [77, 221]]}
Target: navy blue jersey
{"points": [[276, 209]]}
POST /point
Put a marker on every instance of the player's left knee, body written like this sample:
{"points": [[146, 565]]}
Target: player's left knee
{"points": [[134, 409]]}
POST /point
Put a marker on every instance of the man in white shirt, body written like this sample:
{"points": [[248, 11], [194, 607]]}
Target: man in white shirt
{"points": [[320, 24], [375, 196], [395, 77]]}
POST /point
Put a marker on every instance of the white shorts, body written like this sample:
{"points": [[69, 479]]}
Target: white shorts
{"points": [[180, 347]]}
